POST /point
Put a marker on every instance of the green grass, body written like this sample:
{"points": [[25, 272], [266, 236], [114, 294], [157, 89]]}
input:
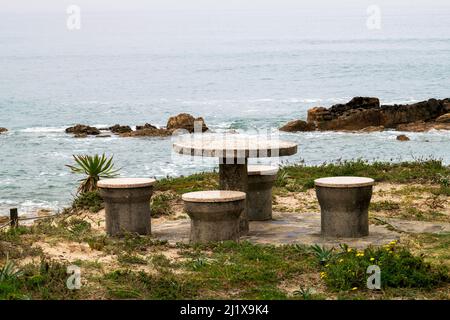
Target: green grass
{"points": [[302, 177], [384, 206], [46, 280], [195, 182], [161, 204]]}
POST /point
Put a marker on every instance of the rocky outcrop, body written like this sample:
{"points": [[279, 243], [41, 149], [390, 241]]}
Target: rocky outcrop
{"points": [[80, 130], [181, 121], [422, 126], [298, 125], [2, 130], [150, 132], [146, 126], [118, 129], [185, 121], [367, 115]]}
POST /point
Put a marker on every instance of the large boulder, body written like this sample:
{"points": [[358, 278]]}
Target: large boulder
{"points": [[2, 130], [185, 121], [298, 125], [81, 129], [118, 129]]}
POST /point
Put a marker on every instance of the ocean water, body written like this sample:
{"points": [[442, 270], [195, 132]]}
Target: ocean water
{"points": [[239, 69]]}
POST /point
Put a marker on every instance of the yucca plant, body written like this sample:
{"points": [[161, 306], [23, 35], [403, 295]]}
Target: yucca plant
{"points": [[9, 271], [322, 254], [95, 168]]}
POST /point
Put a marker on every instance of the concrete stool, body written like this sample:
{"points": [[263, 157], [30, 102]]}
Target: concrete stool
{"points": [[214, 214], [127, 204], [344, 204], [259, 195]]}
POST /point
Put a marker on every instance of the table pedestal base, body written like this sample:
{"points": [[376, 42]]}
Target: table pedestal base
{"points": [[234, 176]]}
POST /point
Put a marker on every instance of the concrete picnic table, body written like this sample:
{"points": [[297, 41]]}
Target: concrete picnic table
{"points": [[233, 151]]}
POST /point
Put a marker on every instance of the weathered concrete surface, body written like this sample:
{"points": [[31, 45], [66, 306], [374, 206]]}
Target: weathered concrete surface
{"points": [[235, 177], [127, 210], [419, 226], [344, 211], [259, 197], [214, 221], [285, 228]]}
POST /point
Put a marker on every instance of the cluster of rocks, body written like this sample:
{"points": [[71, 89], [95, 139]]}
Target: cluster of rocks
{"points": [[181, 121], [367, 115], [2, 130]]}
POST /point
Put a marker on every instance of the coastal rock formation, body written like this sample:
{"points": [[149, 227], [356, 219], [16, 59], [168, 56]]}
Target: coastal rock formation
{"points": [[402, 137], [146, 126], [298, 125], [185, 121], [2, 130], [366, 114], [118, 129], [181, 121], [149, 132], [81, 130]]}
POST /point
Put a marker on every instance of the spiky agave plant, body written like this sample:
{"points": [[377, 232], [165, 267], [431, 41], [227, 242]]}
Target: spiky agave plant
{"points": [[95, 168], [9, 271]]}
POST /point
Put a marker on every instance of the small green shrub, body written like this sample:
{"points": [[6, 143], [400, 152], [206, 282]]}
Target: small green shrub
{"points": [[160, 204], [322, 254], [88, 201], [399, 269]]}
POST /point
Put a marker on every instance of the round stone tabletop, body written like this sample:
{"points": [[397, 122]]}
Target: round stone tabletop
{"points": [[344, 182], [233, 146], [125, 183], [214, 196], [255, 170]]}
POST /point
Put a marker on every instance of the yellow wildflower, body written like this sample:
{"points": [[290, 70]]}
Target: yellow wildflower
{"points": [[341, 260], [372, 259], [360, 254], [355, 288], [349, 250]]}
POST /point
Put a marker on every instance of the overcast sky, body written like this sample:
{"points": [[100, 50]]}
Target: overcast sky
{"points": [[134, 5]]}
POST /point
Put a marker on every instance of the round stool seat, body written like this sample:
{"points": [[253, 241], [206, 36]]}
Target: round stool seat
{"points": [[344, 182], [126, 183], [213, 196]]}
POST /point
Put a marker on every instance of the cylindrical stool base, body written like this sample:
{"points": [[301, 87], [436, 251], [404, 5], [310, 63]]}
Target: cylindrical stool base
{"points": [[218, 221], [127, 210], [344, 211], [259, 197]]}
